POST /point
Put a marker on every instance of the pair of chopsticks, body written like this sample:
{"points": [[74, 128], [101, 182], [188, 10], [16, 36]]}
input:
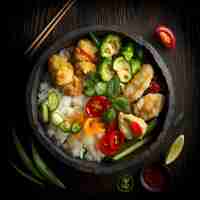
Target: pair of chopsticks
{"points": [[49, 28]]}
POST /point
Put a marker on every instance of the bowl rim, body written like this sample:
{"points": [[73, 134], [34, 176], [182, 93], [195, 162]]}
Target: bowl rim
{"points": [[55, 150]]}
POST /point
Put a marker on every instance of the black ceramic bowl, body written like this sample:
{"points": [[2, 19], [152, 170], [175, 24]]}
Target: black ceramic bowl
{"points": [[133, 161]]}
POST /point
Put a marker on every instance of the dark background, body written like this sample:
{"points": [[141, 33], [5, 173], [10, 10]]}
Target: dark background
{"points": [[26, 19]]}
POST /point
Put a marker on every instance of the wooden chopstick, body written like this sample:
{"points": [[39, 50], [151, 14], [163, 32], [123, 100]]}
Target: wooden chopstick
{"points": [[47, 30]]}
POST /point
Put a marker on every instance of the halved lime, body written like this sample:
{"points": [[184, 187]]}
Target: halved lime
{"points": [[175, 149]]}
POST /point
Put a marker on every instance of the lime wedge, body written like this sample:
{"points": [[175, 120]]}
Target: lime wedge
{"points": [[175, 149]]}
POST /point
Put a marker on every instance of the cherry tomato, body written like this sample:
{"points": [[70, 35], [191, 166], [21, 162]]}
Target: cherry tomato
{"points": [[110, 143], [104, 146], [97, 105], [154, 87], [166, 36], [116, 139], [136, 129]]}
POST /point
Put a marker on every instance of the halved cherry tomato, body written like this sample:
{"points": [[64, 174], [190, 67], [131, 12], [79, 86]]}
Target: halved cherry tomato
{"points": [[166, 36], [154, 87], [97, 105], [116, 139], [136, 129], [110, 143]]}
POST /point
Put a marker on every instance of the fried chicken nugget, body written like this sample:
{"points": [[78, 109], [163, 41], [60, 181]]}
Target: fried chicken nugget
{"points": [[75, 88], [141, 81], [149, 106]]}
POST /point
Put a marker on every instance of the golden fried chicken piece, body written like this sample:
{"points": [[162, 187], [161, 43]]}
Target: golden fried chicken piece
{"points": [[75, 88], [61, 70], [85, 51], [85, 66], [141, 81], [149, 106]]}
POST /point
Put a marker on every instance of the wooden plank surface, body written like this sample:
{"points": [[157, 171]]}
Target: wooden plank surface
{"points": [[27, 21]]}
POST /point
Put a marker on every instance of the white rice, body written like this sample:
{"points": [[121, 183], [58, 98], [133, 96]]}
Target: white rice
{"points": [[64, 105], [43, 91], [79, 101], [57, 134], [68, 105]]}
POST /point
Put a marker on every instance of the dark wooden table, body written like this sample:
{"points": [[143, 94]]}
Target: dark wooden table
{"points": [[28, 18]]}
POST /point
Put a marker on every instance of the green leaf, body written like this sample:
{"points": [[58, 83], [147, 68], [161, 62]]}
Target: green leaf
{"points": [[114, 87], [44, 169], [109, 115], [121, 104], [25, 175], [89, 83], [24, 157], [94, 77]]}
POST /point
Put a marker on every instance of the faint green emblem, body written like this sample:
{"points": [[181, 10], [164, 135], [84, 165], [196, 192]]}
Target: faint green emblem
{"points": [[125, 183]]}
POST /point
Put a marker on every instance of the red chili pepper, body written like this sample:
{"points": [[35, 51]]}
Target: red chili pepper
{"points": [[110, 143], [97, 105], [136, 129], [165, 36], [154, 87]]}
